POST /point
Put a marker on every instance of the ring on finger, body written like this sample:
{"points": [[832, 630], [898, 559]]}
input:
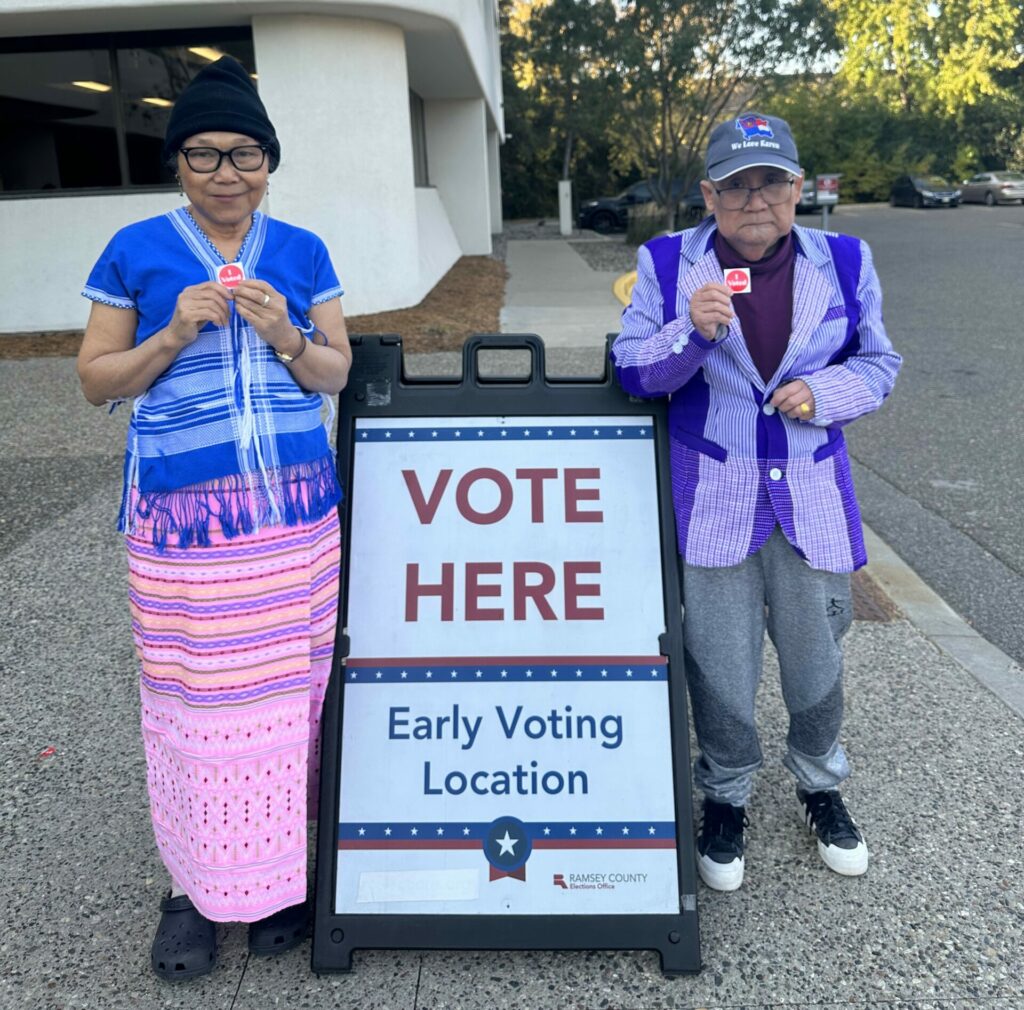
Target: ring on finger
{"points": [[266, 301], [804, 409]]}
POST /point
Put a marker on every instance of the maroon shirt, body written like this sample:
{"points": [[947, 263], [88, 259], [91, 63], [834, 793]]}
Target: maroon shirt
{"points": [[766, 313]]}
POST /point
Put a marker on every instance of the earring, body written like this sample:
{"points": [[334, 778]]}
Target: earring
{"points": [[181, 192]]}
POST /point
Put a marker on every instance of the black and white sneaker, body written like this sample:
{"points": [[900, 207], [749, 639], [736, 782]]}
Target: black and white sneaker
{"points": [[840, 841], [720, 845]]}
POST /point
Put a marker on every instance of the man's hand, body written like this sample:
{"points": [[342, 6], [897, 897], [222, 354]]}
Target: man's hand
{"points": [[710, 306], [795, 400]]}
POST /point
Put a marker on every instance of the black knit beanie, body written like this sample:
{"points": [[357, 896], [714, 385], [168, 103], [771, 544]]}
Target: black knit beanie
{"points": [[220, 97]]}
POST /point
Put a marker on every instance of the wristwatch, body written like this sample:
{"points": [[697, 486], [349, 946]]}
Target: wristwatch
{"points": [[289, 358]]}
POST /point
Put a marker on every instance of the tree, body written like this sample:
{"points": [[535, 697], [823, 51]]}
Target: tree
{"points": [[558, 82], [686, 64], [933, 57], [919, 87], [569, 66], [855, 134]]}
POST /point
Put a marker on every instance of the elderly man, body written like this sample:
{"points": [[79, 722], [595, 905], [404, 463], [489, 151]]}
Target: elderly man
{"points": [[764, 372]]}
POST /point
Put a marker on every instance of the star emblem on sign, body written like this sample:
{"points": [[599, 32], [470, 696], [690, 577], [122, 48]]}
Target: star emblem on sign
{"points": [[507, 847], [507, 844]]}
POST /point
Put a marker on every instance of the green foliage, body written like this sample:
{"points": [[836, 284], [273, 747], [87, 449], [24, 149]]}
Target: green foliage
{"points": [[557, 85], [933, 57], [966, 162], [1010, 147], [687, 64], [914, 86]]}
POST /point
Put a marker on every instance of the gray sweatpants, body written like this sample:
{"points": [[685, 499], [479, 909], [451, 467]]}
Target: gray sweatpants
{"points": [[724, 620]]}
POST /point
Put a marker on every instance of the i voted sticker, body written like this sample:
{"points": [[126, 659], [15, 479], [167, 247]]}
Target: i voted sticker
{"points": [[230, 275], [737, 280]]}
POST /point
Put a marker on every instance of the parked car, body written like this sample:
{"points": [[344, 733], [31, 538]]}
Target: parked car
{"points": [[611, 213], [923, 191], [808, 198], [993, 188]]}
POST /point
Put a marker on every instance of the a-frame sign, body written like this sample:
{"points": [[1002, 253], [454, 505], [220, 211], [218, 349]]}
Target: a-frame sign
{"points": [[505, 750]]}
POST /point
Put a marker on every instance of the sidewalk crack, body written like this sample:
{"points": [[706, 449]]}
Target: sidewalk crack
{"points": [[238, 988], [416, 995]]}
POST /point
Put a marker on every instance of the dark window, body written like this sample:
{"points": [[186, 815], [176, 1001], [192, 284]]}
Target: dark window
{"points": [[89, 112], [419, 140]]}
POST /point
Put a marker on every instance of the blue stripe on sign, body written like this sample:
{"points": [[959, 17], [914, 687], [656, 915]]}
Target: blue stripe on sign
{"points": [[535, 673], [477, 831], [508, 433]]}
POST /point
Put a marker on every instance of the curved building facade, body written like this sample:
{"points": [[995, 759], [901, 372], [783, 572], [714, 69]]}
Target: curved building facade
{"points": [[389, 115]]}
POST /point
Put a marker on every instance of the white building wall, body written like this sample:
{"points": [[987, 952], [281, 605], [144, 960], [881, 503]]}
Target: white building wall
{"points": [[49, 245], [337, 93], [439, 248], [457, 163], [336, 86], [494, 180]]}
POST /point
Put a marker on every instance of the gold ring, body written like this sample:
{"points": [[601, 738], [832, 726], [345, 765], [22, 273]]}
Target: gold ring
{"points": [[266, 302], [804, 409]]}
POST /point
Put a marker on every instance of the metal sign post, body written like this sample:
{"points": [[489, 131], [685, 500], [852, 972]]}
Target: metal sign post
{"points": [[826, 194], [505, 749]]}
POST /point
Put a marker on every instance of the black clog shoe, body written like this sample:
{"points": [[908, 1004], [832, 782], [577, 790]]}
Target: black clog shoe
{"points": [[185, 944]]}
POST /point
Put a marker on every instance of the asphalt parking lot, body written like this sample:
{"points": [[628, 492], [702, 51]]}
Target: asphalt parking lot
{"points": [[940, 470]]}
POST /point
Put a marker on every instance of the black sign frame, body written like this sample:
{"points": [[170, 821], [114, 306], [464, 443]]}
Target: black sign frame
{"points": [[379, 387]]}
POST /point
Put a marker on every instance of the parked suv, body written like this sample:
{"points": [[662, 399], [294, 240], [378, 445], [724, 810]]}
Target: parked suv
{"points": [[611, 213], [993, 188], [923, 191]]}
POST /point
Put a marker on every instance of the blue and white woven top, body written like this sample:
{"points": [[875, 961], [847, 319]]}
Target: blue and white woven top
{"points": [[226, 416]]}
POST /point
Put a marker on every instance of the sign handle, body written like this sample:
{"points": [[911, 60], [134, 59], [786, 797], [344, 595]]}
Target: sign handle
{"points": [[503, 342]]}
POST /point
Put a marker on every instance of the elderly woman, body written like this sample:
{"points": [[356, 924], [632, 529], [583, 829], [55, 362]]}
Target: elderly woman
{"points": [[226, 327]]}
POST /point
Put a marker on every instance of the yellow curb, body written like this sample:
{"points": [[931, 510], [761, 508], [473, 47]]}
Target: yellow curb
{"points": [[622, 287]]}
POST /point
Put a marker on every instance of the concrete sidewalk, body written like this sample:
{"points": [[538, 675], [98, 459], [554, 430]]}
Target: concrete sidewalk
{"points": [[553, 292], [937, 922]]}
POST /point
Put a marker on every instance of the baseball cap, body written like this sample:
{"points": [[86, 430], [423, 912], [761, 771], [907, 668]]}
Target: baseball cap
{"points": [[748, 140]]}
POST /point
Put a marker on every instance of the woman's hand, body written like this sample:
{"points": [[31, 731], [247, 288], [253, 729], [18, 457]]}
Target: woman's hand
{"points": [[710, 306], [795, 400], [266, 310], [196, 306]]}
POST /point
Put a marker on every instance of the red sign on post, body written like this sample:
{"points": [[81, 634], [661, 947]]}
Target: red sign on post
{"points": [[826, 189]]}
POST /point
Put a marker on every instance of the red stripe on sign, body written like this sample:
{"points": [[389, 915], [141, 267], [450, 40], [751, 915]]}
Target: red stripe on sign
{"points": [[605, 843], [497, 660], [408, 843]]}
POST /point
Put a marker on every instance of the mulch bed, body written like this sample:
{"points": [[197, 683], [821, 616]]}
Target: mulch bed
{"points": [[466, 300]]}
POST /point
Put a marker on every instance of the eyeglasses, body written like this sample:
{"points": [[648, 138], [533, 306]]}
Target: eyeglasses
{"points": [[737, 197], [206, 160]]}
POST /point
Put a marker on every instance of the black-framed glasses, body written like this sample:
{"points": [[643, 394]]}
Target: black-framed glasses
{"points": [[206, 160], [737, 197]]}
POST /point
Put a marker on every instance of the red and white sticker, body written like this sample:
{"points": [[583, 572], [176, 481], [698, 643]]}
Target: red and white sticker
{"points": [[231, 274], [737, 280]]}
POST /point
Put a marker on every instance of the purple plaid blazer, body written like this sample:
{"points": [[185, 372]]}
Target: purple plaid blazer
{"points": [[740, 467]]}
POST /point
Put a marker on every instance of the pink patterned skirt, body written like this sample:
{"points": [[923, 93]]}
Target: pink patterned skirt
{"points": [[235, 642]]}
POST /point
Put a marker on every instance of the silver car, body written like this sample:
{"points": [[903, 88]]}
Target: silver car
{"points": [[993, 187]]}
